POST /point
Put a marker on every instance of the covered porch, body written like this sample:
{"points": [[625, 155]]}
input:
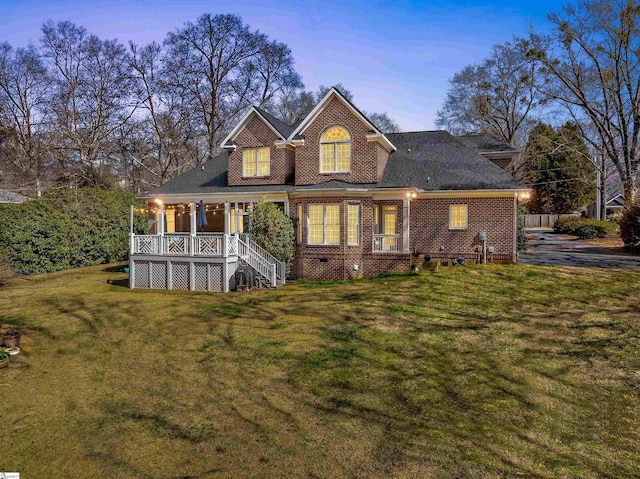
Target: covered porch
{"points": [[182, 253]]}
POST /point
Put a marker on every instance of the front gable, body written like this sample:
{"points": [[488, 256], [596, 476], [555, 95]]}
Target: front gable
{"points": [[255, 132], [367, 145]]}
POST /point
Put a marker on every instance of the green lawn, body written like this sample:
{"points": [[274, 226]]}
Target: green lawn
{"points": [[496, 371]]}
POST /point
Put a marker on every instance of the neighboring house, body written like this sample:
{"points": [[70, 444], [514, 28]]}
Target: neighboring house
{"points": [[499, 152], [615, 197], [362, 202], [9, 197]]}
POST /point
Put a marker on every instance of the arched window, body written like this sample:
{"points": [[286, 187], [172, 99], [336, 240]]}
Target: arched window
{"points": [[335, 150]]}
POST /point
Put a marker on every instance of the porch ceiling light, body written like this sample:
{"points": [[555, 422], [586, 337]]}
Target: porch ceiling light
{"points": [[159, 201]]}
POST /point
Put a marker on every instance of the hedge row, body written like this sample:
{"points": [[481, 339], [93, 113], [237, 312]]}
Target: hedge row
{"points": [[67, 229], [587, 228]]}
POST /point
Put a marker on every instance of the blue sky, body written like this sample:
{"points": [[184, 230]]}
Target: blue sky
{"points": [[394, 56]]}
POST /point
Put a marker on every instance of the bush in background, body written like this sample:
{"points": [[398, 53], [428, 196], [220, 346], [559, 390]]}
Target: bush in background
{"points": [[586, 228], [67, 228], [630, 228]]}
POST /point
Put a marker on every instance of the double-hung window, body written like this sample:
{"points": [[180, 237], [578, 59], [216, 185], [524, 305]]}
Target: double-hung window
{"points": [[335, 151], [256, 162], [324, 224], [353, 224], [458, 217]]}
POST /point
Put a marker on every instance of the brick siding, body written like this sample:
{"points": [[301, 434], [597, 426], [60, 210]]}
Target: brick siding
{"points": [[430, 225], [364, 156], [258, 134]]}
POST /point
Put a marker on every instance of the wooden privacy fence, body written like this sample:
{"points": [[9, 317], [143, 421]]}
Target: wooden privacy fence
{"points": [[544, 221]]}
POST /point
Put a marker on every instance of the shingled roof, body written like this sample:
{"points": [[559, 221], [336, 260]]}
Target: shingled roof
{"points": [[485, 143], [284, 129], [10, 197], [426, 160]]}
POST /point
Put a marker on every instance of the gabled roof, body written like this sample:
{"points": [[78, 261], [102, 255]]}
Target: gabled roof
{"points": [[425, 160], [485, 143], [284, 129], [334, 92], [10, 197], [226, 143]]}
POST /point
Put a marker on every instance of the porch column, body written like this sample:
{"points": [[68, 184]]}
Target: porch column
{"points": [[227, 217], [161, 222], [161, 227], [406, 218], [192, 227]]}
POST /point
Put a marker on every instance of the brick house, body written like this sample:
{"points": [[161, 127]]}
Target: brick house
{"points": [[363, 202]]}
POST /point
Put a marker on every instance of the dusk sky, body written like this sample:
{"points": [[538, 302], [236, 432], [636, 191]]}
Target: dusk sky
{"points": [[395, 57]]}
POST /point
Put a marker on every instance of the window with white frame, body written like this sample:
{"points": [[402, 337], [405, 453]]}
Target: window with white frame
{"points": [[385, 219], [353, 224], [300, 223], [324, 224], [335, 151], [458, 217], [256, 162]]}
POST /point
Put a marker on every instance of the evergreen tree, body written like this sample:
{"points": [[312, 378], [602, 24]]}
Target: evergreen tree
{"points": [[559, 168]]}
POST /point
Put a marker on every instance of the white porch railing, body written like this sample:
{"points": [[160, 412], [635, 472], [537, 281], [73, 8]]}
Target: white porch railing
{"points": [[281, 267], [183, 244], [257, 262], [208, 245], [176, 245], [385, 242]]}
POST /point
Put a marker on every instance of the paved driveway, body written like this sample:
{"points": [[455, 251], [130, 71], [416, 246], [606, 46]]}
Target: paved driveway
{"points": [[548, 248]]}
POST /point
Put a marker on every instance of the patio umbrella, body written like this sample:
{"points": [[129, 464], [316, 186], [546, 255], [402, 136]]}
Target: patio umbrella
{"points": [[202, 216]]}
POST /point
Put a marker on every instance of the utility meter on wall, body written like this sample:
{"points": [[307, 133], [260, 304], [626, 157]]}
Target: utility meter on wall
{"points": [[482, 236]]}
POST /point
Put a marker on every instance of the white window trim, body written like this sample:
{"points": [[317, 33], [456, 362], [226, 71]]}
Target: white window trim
{"points": [[300, 222], [335, 151], [324, 225], [255, 150], [466, 216], [357, 243]]}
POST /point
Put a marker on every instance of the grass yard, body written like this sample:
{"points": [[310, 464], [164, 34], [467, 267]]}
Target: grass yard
{"points": [[496, 371]]}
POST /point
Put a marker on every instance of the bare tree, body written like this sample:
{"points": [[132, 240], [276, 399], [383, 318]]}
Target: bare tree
{"points": [[500, 96], [295, 104], [221, 67], [164, 142], [594, 60], [384, 122], [23, 90], [91, 98]]}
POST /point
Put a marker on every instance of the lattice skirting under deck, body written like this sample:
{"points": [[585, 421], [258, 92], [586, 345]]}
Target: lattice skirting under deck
{"points": [[183, 275]]}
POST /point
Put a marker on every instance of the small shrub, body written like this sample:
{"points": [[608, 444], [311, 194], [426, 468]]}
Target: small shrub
{"points": [[630, 228], [587, 228], [522, 234], [567, 224]]}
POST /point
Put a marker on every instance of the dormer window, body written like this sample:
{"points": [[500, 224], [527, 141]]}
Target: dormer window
{"points": [[335, 151], [256, 162]]}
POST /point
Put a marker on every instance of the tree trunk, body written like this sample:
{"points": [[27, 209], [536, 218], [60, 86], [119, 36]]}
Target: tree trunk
{"points": [[603, 189], [631, 190]]}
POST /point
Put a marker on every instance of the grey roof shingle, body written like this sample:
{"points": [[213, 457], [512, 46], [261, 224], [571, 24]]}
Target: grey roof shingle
{"points": [[284, 129], [485, 143], [10, 197], [428, 160]]}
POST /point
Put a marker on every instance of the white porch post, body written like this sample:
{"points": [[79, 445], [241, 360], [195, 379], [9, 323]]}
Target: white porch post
{"points": [[161, 228], [227, 217], [406, 218], [131, 230], [192, 227]]}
